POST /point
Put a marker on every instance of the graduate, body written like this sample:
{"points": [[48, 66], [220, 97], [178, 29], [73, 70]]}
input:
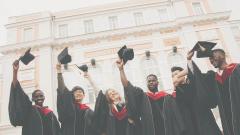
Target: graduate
{"points": [[198, 118], [166, 116], [225, 83], [35, 119], [111, 114], [75, 116]]}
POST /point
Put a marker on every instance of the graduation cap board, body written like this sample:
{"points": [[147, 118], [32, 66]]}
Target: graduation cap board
{"points": [[126, 54], [64, 57], [27, 57], [204, 49], [83, 68]]}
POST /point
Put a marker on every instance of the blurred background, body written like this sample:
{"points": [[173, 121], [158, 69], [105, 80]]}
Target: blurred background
{"points": [[160, 31]]}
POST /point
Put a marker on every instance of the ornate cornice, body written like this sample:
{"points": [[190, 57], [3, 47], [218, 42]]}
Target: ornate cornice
{"points": [[118, 34]]}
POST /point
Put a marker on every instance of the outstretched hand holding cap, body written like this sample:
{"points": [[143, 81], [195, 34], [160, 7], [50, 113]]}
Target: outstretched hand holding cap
{"points": [[27, 57], [203, 48], [126, 54], [64, 57]]}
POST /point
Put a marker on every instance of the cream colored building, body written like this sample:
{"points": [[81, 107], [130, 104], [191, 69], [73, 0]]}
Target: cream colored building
{"points": [[98, 32]]}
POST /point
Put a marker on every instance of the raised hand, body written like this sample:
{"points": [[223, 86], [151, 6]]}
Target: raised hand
{"points": [[85, 74], [59, 68], [190, 55], [15, 65], [120, 64]]}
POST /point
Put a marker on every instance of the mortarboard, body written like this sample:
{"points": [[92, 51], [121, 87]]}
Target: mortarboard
{"points": [[126, 53], [64, 57], [204, 49], [27, 57], [83, 68]]}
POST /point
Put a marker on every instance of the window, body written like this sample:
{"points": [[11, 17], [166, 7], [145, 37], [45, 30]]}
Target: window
{"points": [[150, 66], [138, 18], [176, 59], [113, 22], [63, 30], [207, 35], [163, 15], [88, 25], [236, 32], [197, 7], [28, 34]]}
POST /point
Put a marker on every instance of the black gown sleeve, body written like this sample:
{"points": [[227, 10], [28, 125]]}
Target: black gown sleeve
{"points": [[185, 93], [99, 121], [173, 121], [139, 107], [133, 96], [19, 105], [89, 129], [205, 87], [65, 101], [234, 89]]}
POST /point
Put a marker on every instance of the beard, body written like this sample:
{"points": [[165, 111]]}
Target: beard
{"points": [[155, 89]]}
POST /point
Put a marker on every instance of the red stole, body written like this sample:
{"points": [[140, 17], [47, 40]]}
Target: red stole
{"points": [[157, 95], [82, 106], [119, 115], [226, 73], [44, 110]]}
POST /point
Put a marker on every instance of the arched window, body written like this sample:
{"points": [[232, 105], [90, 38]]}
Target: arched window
{"points": [[150, 66], [176, 59]]}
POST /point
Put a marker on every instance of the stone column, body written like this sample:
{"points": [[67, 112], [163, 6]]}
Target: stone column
{"points": [[46, 75], [230, 43], [7, 80]]}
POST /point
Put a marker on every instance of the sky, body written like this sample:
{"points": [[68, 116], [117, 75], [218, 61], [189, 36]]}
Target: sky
{"points": [[20, 7]]}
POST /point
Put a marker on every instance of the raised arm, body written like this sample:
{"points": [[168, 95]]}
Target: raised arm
{"points": [[123, 76], [19, 103], [15, 72], [61, 84], [92, 83]]}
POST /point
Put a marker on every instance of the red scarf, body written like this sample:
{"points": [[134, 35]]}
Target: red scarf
{"points": [[82, 106], [44, 110], [119, 115], [157, 95], [226, 73]]}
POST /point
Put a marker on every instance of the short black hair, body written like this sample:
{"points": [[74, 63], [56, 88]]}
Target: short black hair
{"points": [[175, 68], [34, 92], [152, 75], [78, 88], [220, 51]]}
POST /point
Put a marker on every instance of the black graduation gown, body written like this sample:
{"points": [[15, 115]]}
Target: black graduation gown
{"points": [[198, 117], [184, 97], [106, 122], [74, 121], [32, 120], [226, 89], [164, 111]]}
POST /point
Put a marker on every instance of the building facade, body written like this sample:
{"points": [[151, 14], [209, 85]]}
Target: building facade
{"points": [[94, 35]]}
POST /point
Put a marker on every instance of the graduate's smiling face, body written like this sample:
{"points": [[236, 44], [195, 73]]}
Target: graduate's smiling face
{"points": [[152, 83], [38, 97], [78, 95], [113, 96]]}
